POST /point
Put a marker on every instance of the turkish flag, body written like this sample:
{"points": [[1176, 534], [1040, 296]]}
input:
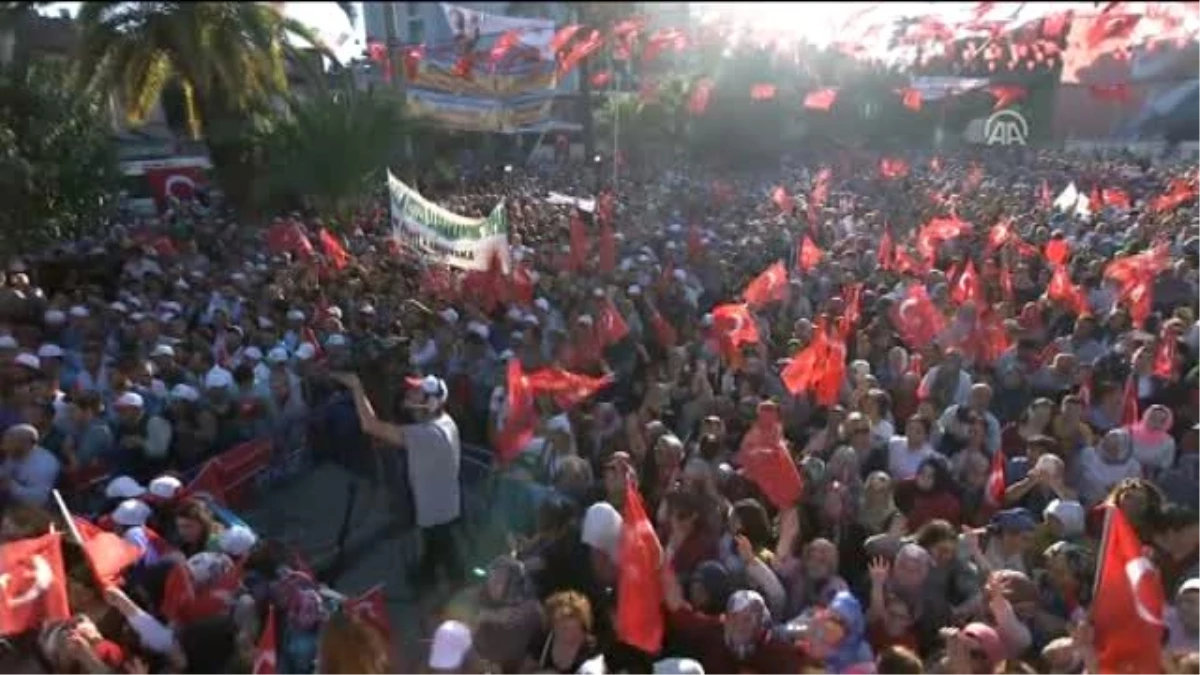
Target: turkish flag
{"points": [[1000, 234], [1058, 251], [887, 250], [1129, 402], [239, 465], [804, 370], [33, 584], [810, 254], [610, 324], [639, 588], [966, 287], [700, 96], [911, 98], [108, 554], [769, 286], [566, 387], [579, 244], [1178, 193], [762, 92], [733, 327], [182, 602], [179, 183], [892, 168], [1165, 354], [607, 253], [265, 654], [521, 284], [695, 243], [372, 609], [994, 490], [1116, 198], [821, 99], [764, 459], [783, 200], [1006, 94], [936, 231], [520, 416], [333, 249], [1061, 288], [1128, 602], [917, 319], [663, 330], [208, 481]]}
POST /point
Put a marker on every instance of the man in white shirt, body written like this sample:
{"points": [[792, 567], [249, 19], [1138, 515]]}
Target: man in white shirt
{"points": [[29, 471]]}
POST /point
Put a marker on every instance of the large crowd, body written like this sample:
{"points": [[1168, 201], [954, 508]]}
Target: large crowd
{"points": [[952, 322]]}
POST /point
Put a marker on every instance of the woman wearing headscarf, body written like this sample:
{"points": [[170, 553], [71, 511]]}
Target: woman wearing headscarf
{"points": [[1064, 587], [709, 588], [835, 636], [738, 641], [877, 512], [1106, 465], [1153, 445], [508, 616], [929, 495]]}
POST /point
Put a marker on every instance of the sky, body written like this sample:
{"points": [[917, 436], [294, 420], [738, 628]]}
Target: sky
{"points": [[329, 22]]}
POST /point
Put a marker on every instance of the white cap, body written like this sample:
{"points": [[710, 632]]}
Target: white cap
{"points": [[449, 315], [678, 666], [8, 342], [54, 317], [478, 329], [706, 320], [334, 311], [367, 308], [542, 304], [305, 351], [295, 315], [514, 314], [277, 355], [336, 340], [129, 399], [163, 350], [431, 385], [78, 311], [585, 319], [165, 487], [123, 487], [602, 528], [598, 292], [264, 322], [185, 392], [218, 378], [679, 275], [253, 353], [1192, 584], [237, 540], [118, 306], [531, 320], [131, 513], [633, 290], [28, 360], [593, 666], [451, 642], [50, 351]]}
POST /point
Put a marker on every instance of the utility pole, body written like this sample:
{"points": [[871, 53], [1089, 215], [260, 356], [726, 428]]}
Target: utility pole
{"points": [[396, 64]]}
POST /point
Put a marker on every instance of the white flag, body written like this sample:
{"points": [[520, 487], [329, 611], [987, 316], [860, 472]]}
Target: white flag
{"points": [[1067, 200]]}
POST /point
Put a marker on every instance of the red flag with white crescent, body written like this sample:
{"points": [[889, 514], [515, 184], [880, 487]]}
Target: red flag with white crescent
{"points": [[33, 584], [1127, 610]]}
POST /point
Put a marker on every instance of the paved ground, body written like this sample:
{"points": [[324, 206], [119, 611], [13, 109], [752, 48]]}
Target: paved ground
{"points": [[381, 545]]}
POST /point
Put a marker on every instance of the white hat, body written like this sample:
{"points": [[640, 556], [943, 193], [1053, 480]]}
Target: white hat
{"points": [[163, 350], [1192, 584], [295, 315], [478, 329], [678, 666], [366, 309], [585, 319], [237, 540], [431, 385], [451, 642], [137, 316], [123, 487], [129, 399], [542, 304], [633, 290], [28, 360], [514, 314], [334, 311], [182, 285], [680, 275], [185, 392], [118, 306], [598, 292], [253, 353], [78, 311], [50, 351], [264, 322], [449, 315], [131, 513], [218, 378], [593, 666], [336, 340], [305, 351], [277, 355], [8, 342], [165, 487], [602, 528], [54, 317], [706, 320], [531, 320]]}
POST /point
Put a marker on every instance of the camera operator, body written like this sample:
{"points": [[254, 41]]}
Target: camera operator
{"points": [[433, 459]]}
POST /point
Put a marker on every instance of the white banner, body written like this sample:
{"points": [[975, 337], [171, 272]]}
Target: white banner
{"points": [[559, 199], [441, 236], [468, 25]]}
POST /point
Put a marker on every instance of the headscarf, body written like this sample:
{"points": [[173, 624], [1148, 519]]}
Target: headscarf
{"points": [[853, 649], [1123, 441], [745, 601], [1145, 435]]}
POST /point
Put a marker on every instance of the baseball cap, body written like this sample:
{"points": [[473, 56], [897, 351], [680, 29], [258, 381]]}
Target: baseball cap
{"points": [[123, 487], [430, 384], [1014, 520], [131, 513], [451, 642]]}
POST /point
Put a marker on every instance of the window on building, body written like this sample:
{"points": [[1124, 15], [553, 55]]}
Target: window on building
{"points": [[416, 30]]}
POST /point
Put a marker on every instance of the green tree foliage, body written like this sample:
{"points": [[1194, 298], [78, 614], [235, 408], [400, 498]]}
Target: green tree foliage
{"points": [[229, 58], [331, 150], [58, 162]]}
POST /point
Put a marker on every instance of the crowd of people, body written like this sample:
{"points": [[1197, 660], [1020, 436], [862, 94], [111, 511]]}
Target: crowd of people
{"points": [[896, 550]]}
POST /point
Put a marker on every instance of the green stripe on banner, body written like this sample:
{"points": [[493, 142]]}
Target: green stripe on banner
{"points": [[442, 222]]}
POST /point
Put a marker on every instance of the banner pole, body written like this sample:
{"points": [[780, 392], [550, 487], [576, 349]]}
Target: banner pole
{"points": [[66, 514]]}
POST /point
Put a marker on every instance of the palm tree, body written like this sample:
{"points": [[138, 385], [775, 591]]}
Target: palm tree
{"points": [[227, 57]]}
